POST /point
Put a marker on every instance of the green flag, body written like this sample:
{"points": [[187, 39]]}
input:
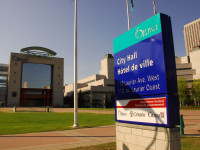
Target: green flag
{"points": [[132, 5]]}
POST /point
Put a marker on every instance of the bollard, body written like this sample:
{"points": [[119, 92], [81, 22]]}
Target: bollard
{"points": [[182, 126], [14, 109]]}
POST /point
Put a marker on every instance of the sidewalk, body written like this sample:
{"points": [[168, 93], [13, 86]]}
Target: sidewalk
{"points": [[192, 121], [58, 140]]}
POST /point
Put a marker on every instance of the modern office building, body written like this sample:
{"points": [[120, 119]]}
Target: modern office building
{"points": [[185, 70], [194, 62], [97, 90], [35, 78], [191, 61], [192, 36], [3, 84]]}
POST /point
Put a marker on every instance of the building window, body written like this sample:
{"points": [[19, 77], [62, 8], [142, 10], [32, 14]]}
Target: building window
{"points": [[3, 69], [38, 76], [14, 94], [58, 67]]}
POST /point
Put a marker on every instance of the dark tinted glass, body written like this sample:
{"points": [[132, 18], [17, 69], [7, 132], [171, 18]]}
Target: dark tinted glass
{"points": [[3, 69], [36, 76]]}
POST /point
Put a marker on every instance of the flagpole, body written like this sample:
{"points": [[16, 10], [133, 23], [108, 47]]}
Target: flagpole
{"points": [[128, 15], [75, 68], [154, 7]]}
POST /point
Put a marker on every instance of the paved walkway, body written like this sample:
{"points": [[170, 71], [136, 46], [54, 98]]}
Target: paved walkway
{"points": [[57, 140], [192, 122], [84, 111]]}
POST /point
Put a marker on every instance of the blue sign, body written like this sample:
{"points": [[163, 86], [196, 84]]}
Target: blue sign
{"points": [[140, 69], [144, 67]]}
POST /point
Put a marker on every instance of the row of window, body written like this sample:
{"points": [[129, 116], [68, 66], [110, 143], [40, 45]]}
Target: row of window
{"points": [[3, 69], [192, 35], [3, 83], [3, 78]]}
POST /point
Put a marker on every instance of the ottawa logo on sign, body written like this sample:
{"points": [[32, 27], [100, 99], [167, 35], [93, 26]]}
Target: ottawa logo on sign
{"points": [[139, 33]]}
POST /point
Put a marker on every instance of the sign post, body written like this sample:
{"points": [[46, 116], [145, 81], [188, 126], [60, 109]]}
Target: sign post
{"points": [[145, 75]]}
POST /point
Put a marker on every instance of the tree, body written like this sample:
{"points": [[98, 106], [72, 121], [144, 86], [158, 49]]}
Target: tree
{"points": [[183, 91], [195, 90]]}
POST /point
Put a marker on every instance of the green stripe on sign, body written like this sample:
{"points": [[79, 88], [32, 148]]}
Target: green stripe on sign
{"points": [[146, 29]]}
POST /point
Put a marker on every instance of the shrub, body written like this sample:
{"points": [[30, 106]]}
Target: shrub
{"points": [[195, 90], [183, 91]]}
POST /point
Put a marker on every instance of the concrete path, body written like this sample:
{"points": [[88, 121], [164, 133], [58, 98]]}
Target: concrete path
{"points": [[57, 110], [84, 111], [192, 122], [58, 140]]}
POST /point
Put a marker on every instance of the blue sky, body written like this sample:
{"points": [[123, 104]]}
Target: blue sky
{"points": [[50, 24]]}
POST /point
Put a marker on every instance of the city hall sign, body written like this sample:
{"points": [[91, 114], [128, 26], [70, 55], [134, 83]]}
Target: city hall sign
{"points": [[145, 74]]}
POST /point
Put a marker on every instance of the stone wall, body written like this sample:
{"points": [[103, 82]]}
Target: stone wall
{"points": [[141, 137]]}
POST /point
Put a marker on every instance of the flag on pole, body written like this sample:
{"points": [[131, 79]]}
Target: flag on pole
{"points": [[132, 5]]}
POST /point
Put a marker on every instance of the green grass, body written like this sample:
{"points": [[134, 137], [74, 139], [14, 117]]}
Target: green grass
{"points": [[190, 143], [190, 108], [15, 123]]}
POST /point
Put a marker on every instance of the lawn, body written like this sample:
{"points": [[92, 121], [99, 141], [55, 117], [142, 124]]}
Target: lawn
{"points": [[15, 123], [190, 143]]}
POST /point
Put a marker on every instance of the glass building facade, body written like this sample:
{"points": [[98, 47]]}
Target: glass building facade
{"points": [[3, 83], [36, 76], [36, 85]]}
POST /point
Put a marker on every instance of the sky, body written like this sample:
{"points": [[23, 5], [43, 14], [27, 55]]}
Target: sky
{"points": [[50, 24]]}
